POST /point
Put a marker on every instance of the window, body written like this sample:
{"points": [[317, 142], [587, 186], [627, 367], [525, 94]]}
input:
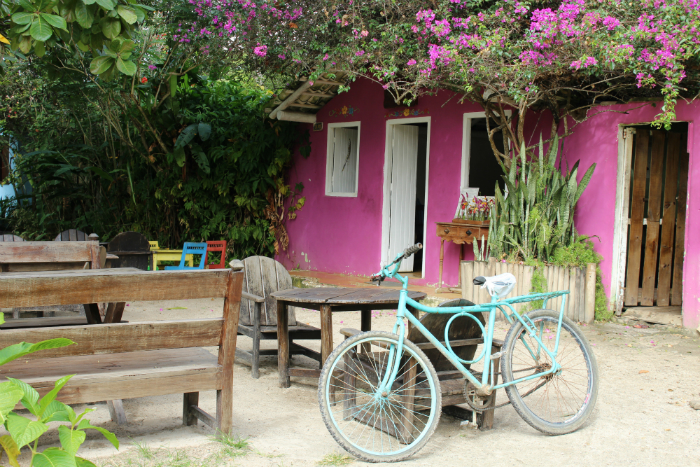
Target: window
{"points": [[480, 168], [342, 159], [5, 163]]}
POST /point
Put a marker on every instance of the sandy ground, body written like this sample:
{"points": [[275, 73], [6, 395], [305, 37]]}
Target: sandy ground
{"points": [[642, 418]]}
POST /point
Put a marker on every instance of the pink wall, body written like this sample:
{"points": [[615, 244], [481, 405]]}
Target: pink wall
{"points": [[343, 234]]}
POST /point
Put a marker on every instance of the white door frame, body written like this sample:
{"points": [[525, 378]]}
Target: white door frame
{"points": [[386, 204]]}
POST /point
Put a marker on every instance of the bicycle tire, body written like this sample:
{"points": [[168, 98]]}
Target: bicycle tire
{"points": [[346, 363], [579, 393]]}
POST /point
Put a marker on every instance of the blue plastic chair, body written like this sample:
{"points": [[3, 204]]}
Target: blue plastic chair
{"points": [[191, 248]]}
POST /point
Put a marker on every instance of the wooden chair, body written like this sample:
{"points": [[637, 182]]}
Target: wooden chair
{"points": [[132, 250], [220, 247], [191, 248], [264, 276], [72, 235], [10, 238], [465, 335]]}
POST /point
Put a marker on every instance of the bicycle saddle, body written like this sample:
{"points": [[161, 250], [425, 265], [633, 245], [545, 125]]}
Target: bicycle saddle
{"points": [[499, 285]]}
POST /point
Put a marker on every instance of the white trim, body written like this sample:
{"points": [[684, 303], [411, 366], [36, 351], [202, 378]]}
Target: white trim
{"points": [[466, 147], [329, 149], [386, 202]]}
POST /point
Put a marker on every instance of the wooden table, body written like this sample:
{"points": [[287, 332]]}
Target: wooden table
{"points": [[459, 234], [328, 300]]}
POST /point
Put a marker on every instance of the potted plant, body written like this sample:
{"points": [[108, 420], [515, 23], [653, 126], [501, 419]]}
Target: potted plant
{"points": [[476, 212]]}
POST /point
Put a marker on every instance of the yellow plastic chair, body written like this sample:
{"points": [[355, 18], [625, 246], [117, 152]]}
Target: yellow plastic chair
{"points": [[160, 255]]}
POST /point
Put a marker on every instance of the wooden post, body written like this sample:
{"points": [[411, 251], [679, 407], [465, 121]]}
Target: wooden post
{"points": [[255, 364], [227, 351], [366, 319], [590, 293], [349, 398], [406, 436], [283, 344], [442, 258], [326, 332], [188, 416]]}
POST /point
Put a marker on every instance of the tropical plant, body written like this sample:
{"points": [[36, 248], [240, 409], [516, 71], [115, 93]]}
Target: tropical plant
{"points": [[536, 214], [25, 431]]}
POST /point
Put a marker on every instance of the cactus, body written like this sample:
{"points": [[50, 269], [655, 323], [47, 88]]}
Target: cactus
{"points": [[536, 214]]}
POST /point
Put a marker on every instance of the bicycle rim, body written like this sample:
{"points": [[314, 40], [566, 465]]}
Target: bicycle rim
{"points": [[557, 403], [373, 425]]}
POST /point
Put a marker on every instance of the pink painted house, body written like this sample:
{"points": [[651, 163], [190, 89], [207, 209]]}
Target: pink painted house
{"points": [[355, 218]]}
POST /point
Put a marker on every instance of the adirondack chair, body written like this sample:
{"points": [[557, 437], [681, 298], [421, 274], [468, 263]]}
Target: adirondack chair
{"points": [[132, 249], [258, 318], [191, 248], [452, 383], [220, 247], [73, 235], [10, 238]]}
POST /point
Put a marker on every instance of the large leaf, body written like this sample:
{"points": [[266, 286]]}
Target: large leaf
{"points": [[30, 397], [11, 449], [54, 457], [186, 135], [22, 18], [85, 424], [27, 5], [70, 439], [40, 30], [10, 395], [16, 351], [127, 46], [126, 66], [54, 20], [56, 412], [111, 28], [23, 430], [106, 4], [127, 13], [204, 131], [80, 462], [101, 64], [180, 155], [584, 183], [84, 14], [51, 395]]}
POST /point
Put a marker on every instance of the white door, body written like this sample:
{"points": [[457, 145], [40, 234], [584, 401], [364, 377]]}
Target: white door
{"points": [[402, 214]]}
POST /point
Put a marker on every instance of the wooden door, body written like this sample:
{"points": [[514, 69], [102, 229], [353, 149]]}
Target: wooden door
{"points": [[657, 204], [402, 214]]}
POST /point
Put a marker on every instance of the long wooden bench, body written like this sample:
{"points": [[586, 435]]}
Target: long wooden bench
{"points": [[128, 360]]}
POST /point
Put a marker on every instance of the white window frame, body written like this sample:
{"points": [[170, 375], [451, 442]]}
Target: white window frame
{"points": [[466, 147], [329, 155]]}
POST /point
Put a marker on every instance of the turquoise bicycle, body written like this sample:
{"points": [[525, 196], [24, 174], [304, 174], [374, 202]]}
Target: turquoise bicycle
{"points": [[380, 395]]}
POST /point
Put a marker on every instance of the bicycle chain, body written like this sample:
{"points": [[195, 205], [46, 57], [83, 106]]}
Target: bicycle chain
{"points": [[478, 410]]}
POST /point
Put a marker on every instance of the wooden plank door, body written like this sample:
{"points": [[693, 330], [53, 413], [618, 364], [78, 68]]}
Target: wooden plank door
{"points": [[657, 201], [402, 215]]}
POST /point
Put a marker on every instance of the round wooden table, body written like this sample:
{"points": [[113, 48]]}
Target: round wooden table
{"points": [[328, 300]]}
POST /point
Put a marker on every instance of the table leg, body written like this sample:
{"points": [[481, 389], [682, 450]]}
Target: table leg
{"points": [[366, 319], [114, 312], [442, 258], [414, 312], [283, 344], [326, 332], [92, 313]]}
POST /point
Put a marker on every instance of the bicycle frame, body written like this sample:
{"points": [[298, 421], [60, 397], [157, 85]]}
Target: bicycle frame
{"points": [[490, 308]]}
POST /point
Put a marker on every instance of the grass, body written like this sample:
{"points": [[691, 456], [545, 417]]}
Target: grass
{"points": [[336, 459]]}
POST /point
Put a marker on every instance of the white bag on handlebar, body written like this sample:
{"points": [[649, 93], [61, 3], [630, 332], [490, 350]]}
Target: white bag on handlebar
{"points": [[500, 285]]}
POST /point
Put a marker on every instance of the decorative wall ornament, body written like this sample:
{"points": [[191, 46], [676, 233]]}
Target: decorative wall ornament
{"points": [[406, 112], [344, 111]]}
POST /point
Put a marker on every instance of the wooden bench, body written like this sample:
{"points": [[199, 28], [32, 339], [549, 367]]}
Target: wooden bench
{"points": [[128, 360]]}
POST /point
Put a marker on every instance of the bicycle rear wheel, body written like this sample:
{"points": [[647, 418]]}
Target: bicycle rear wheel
{"points": [[557, 403], [372, 425]]}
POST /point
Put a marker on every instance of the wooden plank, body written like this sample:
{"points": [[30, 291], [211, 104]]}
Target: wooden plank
{"points": [[589, 313], [564, 285], [227, 350], [668, 229], [268, 275], [572, 299], [45, 252], [116, 411], [326, 331], [120, 337], [409, 395], [203, 417], [636, 229], [670, 315], [109, 285], [253, 285], [43, 322], [190, 400], [580, 286], [651, 252], [679, 250]]}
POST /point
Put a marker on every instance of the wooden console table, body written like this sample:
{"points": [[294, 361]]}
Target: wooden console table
{"points": [[459, 234]]}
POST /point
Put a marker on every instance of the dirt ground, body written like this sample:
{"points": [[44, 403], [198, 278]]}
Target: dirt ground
{"points": [[642, 417]]}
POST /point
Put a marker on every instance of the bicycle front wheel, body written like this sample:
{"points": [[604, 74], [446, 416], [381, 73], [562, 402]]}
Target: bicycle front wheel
{"points": [[371, 423], [559, 402]]}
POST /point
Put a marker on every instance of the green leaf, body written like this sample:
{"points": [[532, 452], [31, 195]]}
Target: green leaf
{"points": [[40, 30], [39, 49], [22, 18], [54, 20], [23, 430], [10, 395], [56, 412], [186, 135], [88, 2], [82, 46], [84, 15], [16, 351], [203, 162], [11, 449], [80, 462], [111, 28], [70, 439], [85, 424], [106, 4], [101, 64], [140, 14], [127, 46], [27, 5], [126, 66], [127, 13], [30, 398], [51, 395], [54, 457], [101, 173], [204, 131], [180, 155], [584, 183]]}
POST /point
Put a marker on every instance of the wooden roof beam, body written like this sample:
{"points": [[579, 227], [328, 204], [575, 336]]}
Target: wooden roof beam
{"points": [[289, 100], [318, 94]]}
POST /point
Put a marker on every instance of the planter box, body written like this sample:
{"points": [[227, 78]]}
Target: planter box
{"points": [[580, 282]]}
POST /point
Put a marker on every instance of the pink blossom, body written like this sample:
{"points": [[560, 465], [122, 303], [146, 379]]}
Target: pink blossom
{"points": [[260, 50]]}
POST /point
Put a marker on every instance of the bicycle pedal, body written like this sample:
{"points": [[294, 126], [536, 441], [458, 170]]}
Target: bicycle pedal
{"points": [[468, 424]]}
